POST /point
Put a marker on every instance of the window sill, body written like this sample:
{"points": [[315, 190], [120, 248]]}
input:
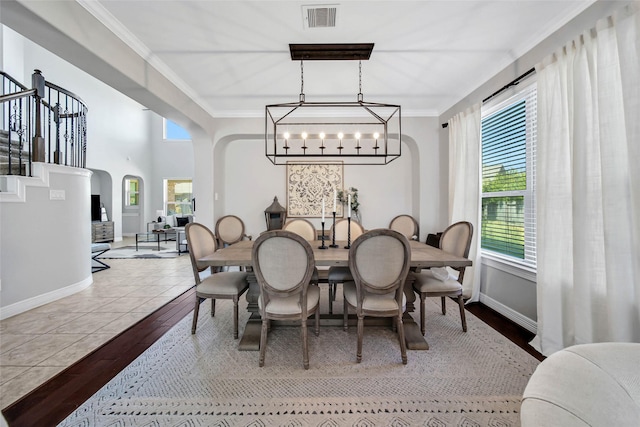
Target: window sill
{"points": [[508, 266]]}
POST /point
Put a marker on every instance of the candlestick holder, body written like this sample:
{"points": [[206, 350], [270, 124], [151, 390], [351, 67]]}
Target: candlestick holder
{"points": [[333, 229], [322, 237], [348, 233]]}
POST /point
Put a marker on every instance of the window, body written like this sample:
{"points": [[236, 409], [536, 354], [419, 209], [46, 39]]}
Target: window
{"points": [[174, 132], [508, 178], [132, 192], [178, 195]]}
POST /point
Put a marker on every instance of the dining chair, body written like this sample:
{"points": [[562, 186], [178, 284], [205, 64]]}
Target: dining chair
{"points": [[219, 285], [283, 263], [308, 231], [341, 274], [407, 225], [302, 227], [379, 261], [455, 239], [229, 230]]}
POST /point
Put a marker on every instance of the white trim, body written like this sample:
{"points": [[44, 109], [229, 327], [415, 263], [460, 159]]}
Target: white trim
{"points": [[510, 267], [529, 324], [39, 300]]}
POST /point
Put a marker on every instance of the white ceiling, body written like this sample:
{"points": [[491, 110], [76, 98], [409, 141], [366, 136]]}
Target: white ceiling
{"points": [[233, 57]]}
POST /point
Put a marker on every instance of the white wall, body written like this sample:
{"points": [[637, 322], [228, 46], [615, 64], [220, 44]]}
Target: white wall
{"points": [[45, 243], [117, 127], [170, 160], [245, 181]]}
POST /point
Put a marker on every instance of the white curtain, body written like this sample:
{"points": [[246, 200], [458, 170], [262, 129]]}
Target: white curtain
{"points": [[464, 187], [588, 187]]}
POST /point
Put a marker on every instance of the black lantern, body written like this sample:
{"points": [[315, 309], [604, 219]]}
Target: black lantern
{"points": [[275, 215]]}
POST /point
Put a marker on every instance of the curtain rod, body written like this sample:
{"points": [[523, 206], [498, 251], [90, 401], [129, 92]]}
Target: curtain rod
{"points": [[513, 82]]}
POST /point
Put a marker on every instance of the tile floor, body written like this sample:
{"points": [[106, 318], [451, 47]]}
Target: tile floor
{"points": [[37, 344]]}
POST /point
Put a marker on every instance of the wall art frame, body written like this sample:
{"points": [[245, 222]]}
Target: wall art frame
{"points": [[307, 184]]}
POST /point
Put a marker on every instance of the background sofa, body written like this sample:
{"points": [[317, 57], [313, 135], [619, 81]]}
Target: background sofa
{"points": [[585, 385]]}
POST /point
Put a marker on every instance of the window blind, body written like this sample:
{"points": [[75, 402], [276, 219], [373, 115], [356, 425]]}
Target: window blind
{"points": [[508, 177]]}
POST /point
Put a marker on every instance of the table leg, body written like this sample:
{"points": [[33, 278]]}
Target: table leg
{"points": [[136, 242], [158, 239], [250, 340], [412, 334]]}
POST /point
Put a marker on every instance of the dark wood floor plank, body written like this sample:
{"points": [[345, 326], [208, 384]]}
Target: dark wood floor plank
{"points": [[54, 400]]}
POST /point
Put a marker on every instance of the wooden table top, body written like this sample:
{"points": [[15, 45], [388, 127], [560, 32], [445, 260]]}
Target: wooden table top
{"points": [[422, 256]]}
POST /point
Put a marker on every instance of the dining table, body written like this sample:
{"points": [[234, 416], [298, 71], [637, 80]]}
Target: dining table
{"points": [[239, 255]]}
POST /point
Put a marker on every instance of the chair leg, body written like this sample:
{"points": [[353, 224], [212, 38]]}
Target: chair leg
{"points": [[462, 316], [263, 341], [213, 307], [403, 345], [444, 305], [423, 297], [235, 318], [195, 315], [317, 331], [360, 336], [305, 345], [332, 297], [345, 315]]}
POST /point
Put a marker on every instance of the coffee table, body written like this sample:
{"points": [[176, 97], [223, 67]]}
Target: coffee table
{"points": [[154, 236]]}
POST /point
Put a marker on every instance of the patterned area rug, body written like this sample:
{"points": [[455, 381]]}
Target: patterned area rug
{"points": [[145, 250], [465, 379]]}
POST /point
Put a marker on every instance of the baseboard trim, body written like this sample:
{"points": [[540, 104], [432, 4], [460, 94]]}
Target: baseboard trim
{"points": [[37, 301], [518, 318]]}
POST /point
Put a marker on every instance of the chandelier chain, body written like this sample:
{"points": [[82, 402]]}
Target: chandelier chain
{"points": [[360, 76], [301, 77]]}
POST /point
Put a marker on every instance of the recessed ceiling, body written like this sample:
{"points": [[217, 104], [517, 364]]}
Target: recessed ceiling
{"points": [[331, 52], [233, 57]]}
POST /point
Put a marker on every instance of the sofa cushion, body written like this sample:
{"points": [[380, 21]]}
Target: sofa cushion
{"points": [[585, 385]]}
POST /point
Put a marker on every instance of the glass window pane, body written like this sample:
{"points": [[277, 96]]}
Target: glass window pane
{"points": [[503, 225], [179, 196], [174, 131]]}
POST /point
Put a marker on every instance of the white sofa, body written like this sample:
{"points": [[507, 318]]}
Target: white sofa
{"points": [[585, 385]]}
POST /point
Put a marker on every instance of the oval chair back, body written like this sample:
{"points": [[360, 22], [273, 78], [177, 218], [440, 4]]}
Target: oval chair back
{"points": [[303, 228]]}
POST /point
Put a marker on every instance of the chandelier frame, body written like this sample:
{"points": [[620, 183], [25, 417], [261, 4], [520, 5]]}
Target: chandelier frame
{"points": [[359, 133]]}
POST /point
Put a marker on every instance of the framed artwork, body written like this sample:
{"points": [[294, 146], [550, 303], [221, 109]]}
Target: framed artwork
{"points": [[307, 184]]}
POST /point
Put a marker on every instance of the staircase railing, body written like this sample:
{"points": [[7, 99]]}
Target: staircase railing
{"points": [[43, 124]]}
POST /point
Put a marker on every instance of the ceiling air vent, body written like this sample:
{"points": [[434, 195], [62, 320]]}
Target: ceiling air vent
{"points": [[319, 16]]}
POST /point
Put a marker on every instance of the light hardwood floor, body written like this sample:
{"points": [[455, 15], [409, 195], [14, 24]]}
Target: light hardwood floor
{"points": [[40, 343]]}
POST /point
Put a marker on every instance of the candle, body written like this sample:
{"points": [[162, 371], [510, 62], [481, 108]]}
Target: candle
{"points": [[323, 209], [349, 204], [334, 199]]}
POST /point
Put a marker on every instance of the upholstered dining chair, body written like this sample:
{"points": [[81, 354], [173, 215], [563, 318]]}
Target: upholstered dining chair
{"points": [[229, 230], [219, 285], [302, 227], [283, 263], [379, 261], [456, 239], [308, 231], [406, 225], [341, 274]]}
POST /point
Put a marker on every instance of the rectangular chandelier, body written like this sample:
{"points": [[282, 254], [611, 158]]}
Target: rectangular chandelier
{"points": [[358, 133]]}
